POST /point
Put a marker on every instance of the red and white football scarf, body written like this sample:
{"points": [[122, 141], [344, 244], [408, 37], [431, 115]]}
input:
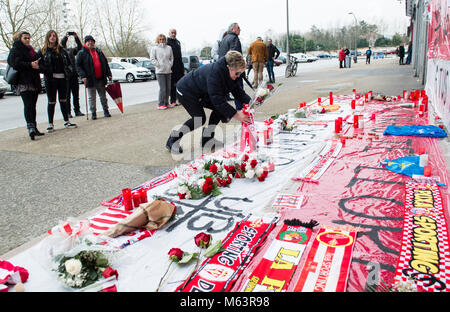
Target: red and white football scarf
{"points": [[315, 170], [280, 261], [218, 273], [327, 266], [425, 253], [287, 201]]}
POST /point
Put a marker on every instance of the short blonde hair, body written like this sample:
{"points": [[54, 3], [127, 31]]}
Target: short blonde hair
{"points": [[235, 60], [161, 36]]}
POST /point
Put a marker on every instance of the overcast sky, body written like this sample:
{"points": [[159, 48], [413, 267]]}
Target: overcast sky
{"points": [[199, 22]]}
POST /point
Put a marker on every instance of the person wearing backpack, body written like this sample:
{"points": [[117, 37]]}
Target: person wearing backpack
{"points": [[368, 55]]}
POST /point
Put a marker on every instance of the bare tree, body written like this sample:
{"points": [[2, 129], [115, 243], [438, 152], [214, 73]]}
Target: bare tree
{"points": [[84, 18], [120, 24], [20, 15]]}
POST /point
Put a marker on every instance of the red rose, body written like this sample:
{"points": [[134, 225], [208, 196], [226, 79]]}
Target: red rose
{"points": [[207, 188], [230, 169], [253, 163], [213, 168], [242, 166], [270, 87], [261, 178], [175, 254], [209, 181], [110, 272], [202, 240], [259, 99], [181, 196], [238, 175], [229, 180], [245, 157], [112, 288]]}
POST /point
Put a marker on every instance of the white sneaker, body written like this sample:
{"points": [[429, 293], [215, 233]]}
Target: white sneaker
{"points": [[70, 125], [50, 128]]}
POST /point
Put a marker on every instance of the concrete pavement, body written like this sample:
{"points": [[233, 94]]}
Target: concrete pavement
{"points": [[70, 172]]}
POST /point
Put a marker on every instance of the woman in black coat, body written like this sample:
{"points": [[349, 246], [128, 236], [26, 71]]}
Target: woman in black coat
{"points": [[207, 87], [24, 59]]}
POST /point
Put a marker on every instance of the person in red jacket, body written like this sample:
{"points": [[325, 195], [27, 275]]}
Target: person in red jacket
{"points": [[94, 71], [341, 58]]}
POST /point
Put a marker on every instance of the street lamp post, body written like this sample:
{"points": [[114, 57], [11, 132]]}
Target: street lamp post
{"points": [[356, 36], [287, 43]]}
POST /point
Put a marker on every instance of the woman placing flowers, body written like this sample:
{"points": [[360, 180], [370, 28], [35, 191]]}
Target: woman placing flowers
{"points": [[207, 87]]}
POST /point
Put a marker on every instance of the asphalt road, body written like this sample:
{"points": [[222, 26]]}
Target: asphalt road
{"points": [[68, 173]]}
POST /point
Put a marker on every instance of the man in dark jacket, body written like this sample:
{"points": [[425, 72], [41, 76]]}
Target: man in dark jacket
{"points": [[72, 81], [207, 87], [177, 67], [93, 68], [274, 53], [231, 42]]}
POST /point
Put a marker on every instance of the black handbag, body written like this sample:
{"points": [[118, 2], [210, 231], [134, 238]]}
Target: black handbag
{"points": [[12, 75]]}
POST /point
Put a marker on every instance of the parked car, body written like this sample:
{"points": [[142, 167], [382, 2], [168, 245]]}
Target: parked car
{"points": [[190, 63], [129, 72], [277, 62], [4, 86], [149, 66], [131, 60], [323, 56]]}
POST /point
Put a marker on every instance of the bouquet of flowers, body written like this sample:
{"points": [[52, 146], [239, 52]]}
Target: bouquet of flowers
{"points": [[283, 121], [217, 173], [263, 92], [84, 269]]}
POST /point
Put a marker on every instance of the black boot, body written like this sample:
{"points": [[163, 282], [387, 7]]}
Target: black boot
{"points": [[209, 142], [94, 116], [38, 133], [78, 113], [173, 144], [106, 113], [31, 131]]}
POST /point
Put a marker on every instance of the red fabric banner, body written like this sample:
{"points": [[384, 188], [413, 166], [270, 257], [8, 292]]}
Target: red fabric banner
{"points": [[438, 32]]}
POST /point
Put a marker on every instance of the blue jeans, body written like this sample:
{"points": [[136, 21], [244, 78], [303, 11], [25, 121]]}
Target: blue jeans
{"points": [[270, 70]]}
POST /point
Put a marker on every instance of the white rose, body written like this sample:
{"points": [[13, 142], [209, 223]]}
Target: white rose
{"points": [[259, 170], [188, 195], [262, 92], [183, 189], [200, 182], [73, 266], [250, 174]]}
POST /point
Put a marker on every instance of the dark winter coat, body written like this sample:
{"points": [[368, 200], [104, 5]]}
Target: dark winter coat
{"points": [[85, 67], [20, 59], [72, 51], [52, 62], [231, 42], [273, 52], [178, 66], [210, 84]]}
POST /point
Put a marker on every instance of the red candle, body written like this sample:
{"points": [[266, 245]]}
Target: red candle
{"points": [[427, 171], [353, 104], [404, 94], [319, 100], [136, 199], [337, 126], [421, 150], [343, 141], [355, 121], [331, 98], [143, 195], [127, 199]]}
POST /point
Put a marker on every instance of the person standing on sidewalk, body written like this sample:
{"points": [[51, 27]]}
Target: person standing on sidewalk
{"points": [[368, 55], [401, 54], [273, 53], [177, 67], [93, 68], [231, 42], [24, 59], [260, 56], [72, 83], [341, 58], [55, 63], [162, 57]]}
